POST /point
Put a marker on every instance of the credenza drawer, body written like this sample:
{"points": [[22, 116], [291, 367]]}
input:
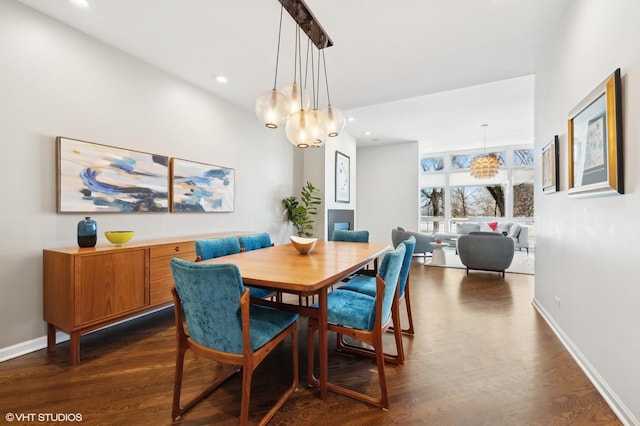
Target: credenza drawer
{"points": [[173, 249]]}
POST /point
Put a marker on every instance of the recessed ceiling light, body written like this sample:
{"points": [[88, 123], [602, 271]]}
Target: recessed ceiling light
{"points": [[80, 3], [220, 79], [350, 119], [367, 133]]}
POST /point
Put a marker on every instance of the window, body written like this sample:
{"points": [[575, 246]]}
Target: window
{"points": [[470, 201], [449, 192], [523, 158], [432, 164]]}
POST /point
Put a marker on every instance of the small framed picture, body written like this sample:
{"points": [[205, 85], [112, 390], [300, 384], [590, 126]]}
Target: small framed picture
{"points": [[550, 167], [343, 181]]}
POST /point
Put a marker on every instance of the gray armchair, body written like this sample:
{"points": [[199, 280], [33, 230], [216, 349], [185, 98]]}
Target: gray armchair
{"points": [[486, 251], [423, 248]]}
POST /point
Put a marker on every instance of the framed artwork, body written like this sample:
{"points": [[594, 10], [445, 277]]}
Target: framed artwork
{"points": [[343, 181], [595, 142], [550, 167], [100, 178], [199, 187]]}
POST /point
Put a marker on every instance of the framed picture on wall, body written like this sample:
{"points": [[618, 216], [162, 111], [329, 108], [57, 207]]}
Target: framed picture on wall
{"points": [[550, 167], [343, 181], [99, 178], [595, 142], [200, 187]]}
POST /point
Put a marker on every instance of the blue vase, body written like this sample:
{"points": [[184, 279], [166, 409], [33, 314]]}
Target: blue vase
{"points": [[87, 232]]}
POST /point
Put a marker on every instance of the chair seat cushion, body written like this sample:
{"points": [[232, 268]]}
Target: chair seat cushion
{"points": [[259, 293], [266, 323], [361, 284], [351, 309]]}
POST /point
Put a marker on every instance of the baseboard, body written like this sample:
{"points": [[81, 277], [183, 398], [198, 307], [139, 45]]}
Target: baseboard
{"points": [[38, 343], [29, 346], [618, 407]]}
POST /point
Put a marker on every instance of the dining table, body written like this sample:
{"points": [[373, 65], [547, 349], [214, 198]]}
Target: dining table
{"points": [[283, 269]]}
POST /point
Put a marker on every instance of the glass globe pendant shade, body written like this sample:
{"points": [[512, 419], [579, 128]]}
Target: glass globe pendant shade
{"points": [[485, 166], [300, 129], [321, 131], [335, 121], [272, 108], [297, 96]]}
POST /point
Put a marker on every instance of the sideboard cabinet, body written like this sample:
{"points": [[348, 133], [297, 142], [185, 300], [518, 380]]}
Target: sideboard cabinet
{"points": [[88, 288]]}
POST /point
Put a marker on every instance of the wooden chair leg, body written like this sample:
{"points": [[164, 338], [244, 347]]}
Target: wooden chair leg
{"points": [[380, 358], [247, 375], [176, 411], [407, 302], [312, 381]]}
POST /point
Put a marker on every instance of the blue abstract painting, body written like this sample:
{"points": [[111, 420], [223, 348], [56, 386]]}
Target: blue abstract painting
{"points": [[199, 187], [101, 178]]}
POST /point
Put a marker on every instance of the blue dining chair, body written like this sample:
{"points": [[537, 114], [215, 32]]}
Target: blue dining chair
{"points": [[218, 247], [365, 318], [222, 325], [254, 242], [354, 236], [367, 285]]}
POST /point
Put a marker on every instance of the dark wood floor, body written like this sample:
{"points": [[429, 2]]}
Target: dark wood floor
{"points": [[481, 356]]}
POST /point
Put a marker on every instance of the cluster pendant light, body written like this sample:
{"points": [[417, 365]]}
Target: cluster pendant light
{"points": [[305, 125], [485, 166]]}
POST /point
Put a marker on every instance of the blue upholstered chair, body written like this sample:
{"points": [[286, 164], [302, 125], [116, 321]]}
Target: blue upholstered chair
{"points": [[355, 236], [218, 247], [364, 318], [351, 236], [367, 285], [254, 242], [224, 326]]}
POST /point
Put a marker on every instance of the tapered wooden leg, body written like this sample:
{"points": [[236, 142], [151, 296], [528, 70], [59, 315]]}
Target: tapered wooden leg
{"points": [[74, 347], [51, 338], [323, 342]]}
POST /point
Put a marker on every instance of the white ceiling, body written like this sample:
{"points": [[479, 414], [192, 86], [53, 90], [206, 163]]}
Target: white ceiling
{"points": [[426, 70]]}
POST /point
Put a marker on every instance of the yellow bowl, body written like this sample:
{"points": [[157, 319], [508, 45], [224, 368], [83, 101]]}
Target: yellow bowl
{"points": [[119, 237], [303, 245]]}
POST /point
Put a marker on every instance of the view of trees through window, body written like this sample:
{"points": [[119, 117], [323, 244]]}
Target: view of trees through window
{"points": [[448, 191], [469, 201]]}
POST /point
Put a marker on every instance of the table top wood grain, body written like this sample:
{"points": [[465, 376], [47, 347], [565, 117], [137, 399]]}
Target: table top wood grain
{"points": [[282, 268]]}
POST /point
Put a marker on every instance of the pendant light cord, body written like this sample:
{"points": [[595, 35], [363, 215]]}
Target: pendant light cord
{"points": [[326, 79], [275, 80]]}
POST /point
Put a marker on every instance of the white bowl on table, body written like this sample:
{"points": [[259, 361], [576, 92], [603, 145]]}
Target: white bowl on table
{"points": [[302, 244]]}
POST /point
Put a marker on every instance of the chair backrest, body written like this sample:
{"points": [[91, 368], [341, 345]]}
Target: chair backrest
{"points": [[217, 247], [410, 245], [210, 298], [350, 236], [254, 242], [389, 271]]}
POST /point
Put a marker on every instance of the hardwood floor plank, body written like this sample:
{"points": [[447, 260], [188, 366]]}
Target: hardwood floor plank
{"points": [[481, 356]]}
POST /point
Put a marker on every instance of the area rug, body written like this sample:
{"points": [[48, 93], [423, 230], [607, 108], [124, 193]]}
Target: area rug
{"points": [[521, 264]]}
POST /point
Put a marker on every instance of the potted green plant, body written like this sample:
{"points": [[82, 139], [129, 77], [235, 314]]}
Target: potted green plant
{"points": [[301, 212]]}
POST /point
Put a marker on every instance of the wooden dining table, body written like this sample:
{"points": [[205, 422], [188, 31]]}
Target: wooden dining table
{"points": [[283, 269]]}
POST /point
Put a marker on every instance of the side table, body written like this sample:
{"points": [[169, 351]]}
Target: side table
{"points": [[437, 257]]}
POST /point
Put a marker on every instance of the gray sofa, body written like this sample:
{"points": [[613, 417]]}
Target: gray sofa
{"points": [[486, 251], [423, 248], [517, 232]]}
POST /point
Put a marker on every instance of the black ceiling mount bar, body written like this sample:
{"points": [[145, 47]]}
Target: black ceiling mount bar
{"points": [[301, 13]]}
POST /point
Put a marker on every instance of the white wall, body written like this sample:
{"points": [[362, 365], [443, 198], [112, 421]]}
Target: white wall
{"points": [[587, 249], [55, 81], [388, 193]]}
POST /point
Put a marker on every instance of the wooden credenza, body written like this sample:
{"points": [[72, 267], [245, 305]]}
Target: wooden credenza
{"points": [[88, 288]]}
